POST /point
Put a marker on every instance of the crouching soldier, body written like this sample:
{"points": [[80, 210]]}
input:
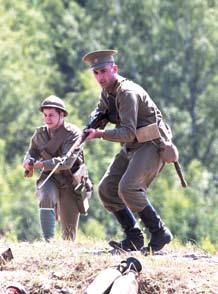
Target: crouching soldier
{"points": [[67, 190]]}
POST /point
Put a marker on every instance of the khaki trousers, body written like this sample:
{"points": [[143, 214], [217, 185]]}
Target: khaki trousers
{"points": [[127, 178], [50, 195]]}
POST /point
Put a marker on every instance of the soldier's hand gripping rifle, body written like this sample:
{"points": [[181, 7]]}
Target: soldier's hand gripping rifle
{"points": [[29, 173], [97, 119]]}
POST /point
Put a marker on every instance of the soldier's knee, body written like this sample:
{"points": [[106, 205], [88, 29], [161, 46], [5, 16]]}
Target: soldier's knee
{"points": [[100, 187], [103, 187], [123, 189], [45, 201], [46, 204], [126, 193], [105, 194], [47, 197]]}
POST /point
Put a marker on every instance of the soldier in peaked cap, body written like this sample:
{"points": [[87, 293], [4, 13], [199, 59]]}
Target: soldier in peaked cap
{"points": [[140, 129], [99, 59], [48, 145]]}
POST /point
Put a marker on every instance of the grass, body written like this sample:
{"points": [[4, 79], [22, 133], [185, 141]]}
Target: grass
{"points": [[66, 267]]}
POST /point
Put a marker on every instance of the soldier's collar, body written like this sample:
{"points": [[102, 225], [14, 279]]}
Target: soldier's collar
{"points": [[112, 90], [52, 132]]}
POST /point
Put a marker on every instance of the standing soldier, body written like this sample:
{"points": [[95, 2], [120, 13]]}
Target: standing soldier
{"points": [[142, 134], [49, 144]]}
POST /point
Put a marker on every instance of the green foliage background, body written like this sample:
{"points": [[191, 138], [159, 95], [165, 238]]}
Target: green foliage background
{"points": [[169, 47]]}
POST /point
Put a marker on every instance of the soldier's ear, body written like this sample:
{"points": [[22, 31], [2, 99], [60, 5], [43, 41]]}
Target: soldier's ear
{"points": [[62, 114], [115, 68]]}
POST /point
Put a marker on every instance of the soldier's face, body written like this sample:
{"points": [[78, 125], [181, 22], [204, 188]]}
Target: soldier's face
{"points": [[52, 118], [106, 75]]}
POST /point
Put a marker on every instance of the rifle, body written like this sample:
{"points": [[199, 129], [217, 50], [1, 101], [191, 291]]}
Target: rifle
{"points": [[96, 120], [180, 174]]}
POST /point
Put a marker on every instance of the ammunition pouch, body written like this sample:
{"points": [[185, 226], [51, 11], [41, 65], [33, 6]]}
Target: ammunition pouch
{"points": [[148, 133], [82, 189], [168, 151]]}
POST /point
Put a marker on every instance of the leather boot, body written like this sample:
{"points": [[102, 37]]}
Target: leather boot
{"points": [[47, 220], [134, 237], [160, 234]]}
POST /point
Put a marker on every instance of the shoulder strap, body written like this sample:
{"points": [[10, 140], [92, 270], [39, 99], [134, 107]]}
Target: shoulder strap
{"points": [[119, 87]]}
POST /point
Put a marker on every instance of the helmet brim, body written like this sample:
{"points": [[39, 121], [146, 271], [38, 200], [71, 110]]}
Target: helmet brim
{"points": [[52, 106]]}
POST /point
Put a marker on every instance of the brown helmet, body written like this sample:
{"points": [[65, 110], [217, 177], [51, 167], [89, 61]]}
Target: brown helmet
{"points": [[53, 102]]}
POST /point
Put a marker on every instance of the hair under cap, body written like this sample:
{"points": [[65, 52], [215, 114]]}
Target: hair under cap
{"points": [[98, 59]]}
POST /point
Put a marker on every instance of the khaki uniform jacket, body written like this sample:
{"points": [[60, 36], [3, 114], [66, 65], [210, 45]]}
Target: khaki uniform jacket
{"points": [[130, 107], [39, 141]]}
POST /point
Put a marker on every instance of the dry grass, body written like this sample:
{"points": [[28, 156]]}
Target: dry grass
{"points": [[64, 267]]}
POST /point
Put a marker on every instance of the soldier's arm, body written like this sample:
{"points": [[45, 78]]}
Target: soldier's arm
{"points": [[30, 157], [128, 111]]}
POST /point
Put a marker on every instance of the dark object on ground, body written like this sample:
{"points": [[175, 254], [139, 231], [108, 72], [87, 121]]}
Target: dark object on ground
{"points": [[15, 289], [6, 256], [103, 283]]}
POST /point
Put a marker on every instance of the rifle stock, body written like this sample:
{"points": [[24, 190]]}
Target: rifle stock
{"points": [[180, 174]]}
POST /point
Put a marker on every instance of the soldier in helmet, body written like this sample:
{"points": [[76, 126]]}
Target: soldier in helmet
{"points": [[142, 133], [49, 144]]}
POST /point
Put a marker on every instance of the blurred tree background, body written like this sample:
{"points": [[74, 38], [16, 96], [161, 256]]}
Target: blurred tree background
{"points": [[168, 47]]}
